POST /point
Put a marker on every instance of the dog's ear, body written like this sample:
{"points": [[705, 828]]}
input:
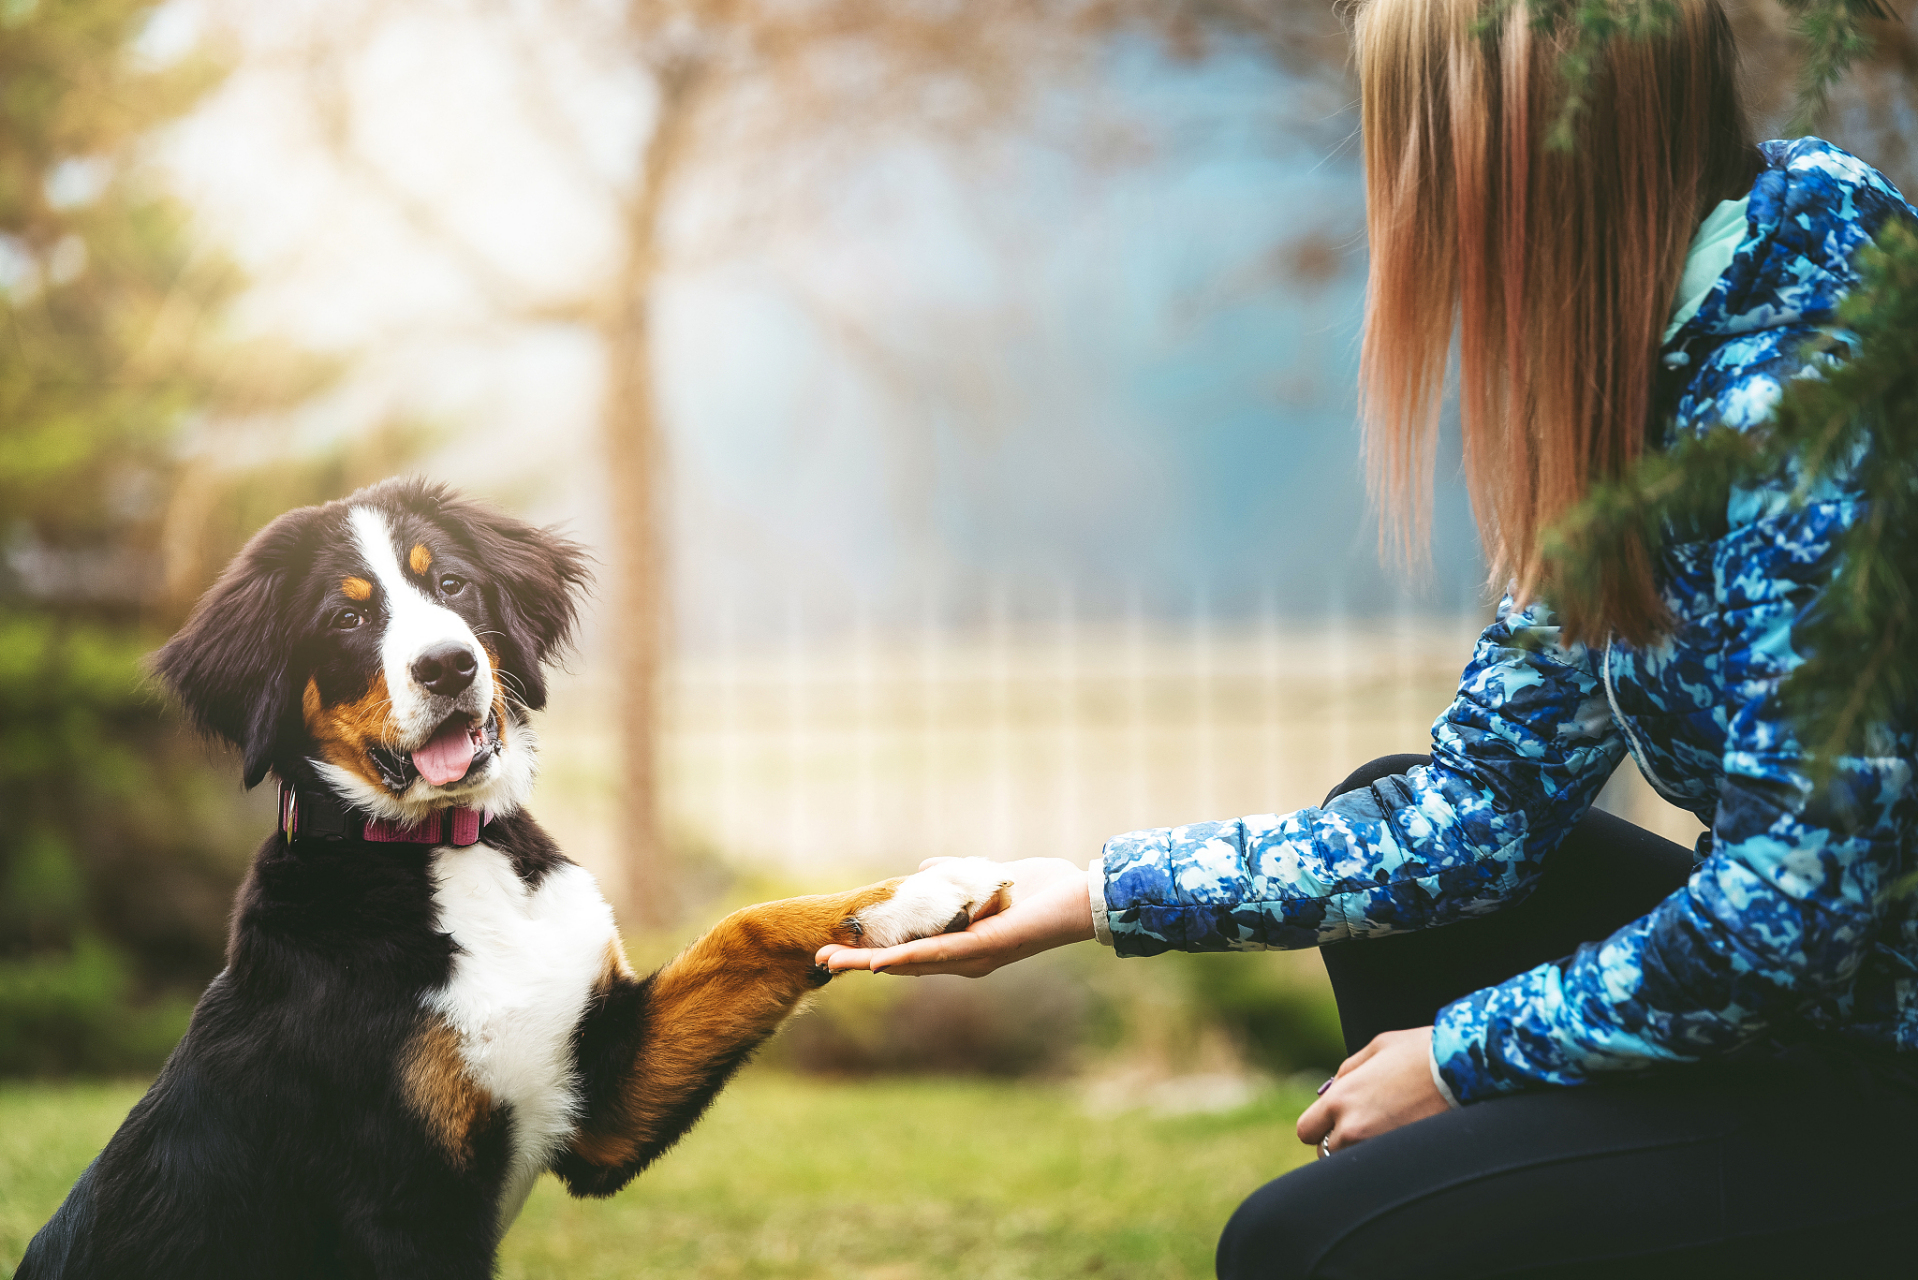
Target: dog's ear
{"points": [[229, 665], [536, 579]]}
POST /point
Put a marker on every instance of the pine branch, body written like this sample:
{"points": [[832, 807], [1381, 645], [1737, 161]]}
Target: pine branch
{"points": [[1834, 36], [1863, 640], [1833, 32]]}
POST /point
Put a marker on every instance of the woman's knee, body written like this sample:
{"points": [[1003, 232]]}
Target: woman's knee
{"points": [[1372, 770], [1277, 1233]]}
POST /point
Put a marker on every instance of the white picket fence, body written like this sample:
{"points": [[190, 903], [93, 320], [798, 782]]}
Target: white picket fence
{"points": [[866, 750]]}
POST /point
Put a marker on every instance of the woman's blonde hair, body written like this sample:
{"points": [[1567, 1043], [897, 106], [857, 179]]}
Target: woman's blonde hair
{"points": [[1556, 266]]}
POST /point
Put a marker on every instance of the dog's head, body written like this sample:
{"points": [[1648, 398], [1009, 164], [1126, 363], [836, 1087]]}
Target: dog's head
{"points": [[392, 642]]}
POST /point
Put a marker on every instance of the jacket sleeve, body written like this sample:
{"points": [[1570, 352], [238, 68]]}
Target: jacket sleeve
{"points": [[1516, 760], [1781, 914]]}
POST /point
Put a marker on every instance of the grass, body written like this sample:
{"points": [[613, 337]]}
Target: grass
{"points": [[795, 1177]]}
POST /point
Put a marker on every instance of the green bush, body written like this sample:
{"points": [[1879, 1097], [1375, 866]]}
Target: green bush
{"points": [[1281, 1024], [73, 1012]]}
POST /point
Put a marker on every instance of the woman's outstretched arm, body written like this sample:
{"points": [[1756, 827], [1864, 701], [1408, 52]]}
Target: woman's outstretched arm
{"points": [[1516, 760]]}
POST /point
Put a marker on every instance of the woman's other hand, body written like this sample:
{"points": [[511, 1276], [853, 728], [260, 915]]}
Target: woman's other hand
{"points": [[1051, 906], [1384, 1085]]}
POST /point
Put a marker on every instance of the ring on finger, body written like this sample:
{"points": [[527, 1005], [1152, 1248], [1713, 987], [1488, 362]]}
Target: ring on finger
{"points": [[1325, 1146]]}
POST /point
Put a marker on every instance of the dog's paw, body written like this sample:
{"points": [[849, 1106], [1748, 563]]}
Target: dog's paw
{"points": [[941, 899]]}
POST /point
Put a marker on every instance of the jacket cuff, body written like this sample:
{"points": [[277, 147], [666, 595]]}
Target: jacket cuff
{"points": [[1096, 893], [1438, 1077], [1461, 1056]]}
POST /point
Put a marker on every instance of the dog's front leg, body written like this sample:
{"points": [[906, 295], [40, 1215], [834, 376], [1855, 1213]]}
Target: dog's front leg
{"points": [[652, 1053]]}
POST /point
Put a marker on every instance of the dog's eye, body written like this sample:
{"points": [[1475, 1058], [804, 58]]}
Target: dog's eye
{"points": [[347, 619], [452, 584]]}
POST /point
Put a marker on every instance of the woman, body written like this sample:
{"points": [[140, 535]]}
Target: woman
{"points": [[1618, 1056]]}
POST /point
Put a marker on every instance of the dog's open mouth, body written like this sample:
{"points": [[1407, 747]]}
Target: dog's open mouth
{"points": [[458, 748]]}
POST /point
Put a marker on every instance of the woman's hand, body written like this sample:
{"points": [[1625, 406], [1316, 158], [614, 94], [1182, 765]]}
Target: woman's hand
{"points": [[1384, 1085], [1051, 906]]}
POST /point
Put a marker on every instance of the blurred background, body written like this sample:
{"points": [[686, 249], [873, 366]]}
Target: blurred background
{"points": [[957, 398]]}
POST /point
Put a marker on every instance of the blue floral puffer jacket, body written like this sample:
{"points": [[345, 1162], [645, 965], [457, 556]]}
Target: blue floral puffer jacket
{"points": [[1789, 925]]}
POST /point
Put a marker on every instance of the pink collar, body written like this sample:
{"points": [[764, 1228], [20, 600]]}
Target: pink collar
{"points": [[310, 815]]}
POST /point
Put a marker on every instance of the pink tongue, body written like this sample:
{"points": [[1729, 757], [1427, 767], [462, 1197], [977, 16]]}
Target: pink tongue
{"points": [[446, 758]]}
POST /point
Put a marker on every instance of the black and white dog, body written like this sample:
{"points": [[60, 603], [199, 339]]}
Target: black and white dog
{"points": [[425, 1004]]}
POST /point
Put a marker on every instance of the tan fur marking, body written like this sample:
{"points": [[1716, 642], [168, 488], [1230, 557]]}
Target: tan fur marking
{"points": [[728, 990], [345, 730], [499, 694], [420, 558], [437, 1087], [610, 1150], [356, 588]]}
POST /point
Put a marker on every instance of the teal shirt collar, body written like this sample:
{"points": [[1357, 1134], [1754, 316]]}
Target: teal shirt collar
{"points": [[1712, 250]]}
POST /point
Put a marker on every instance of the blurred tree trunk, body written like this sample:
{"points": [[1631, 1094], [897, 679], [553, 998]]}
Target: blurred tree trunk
{"points": [[630, 436], [635, 471]]}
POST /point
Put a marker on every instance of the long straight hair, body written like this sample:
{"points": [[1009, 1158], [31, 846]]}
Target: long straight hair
{"points": [[1556, 267]]}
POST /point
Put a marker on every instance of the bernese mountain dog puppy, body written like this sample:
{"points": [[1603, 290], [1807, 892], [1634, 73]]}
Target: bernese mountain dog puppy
{"points": [[425, 1004]]}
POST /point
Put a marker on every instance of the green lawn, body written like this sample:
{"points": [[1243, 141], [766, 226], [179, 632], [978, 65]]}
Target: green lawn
{"points": [[794, 1177]]}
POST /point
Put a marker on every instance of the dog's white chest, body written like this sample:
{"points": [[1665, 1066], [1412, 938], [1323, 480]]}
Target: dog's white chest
{"points": [[524, 968]]}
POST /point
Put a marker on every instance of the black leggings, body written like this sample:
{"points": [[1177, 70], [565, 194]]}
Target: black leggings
{"points": [[1793, 1160]]}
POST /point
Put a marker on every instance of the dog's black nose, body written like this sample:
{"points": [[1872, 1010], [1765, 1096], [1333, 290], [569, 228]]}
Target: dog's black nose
{"points": [[445, 668]]}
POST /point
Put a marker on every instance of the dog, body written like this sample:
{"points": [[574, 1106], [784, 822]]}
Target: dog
{"points": [[425, 1004]]}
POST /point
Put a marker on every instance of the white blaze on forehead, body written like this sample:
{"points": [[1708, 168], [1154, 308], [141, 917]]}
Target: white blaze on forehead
{"points": [[414, 623]]}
